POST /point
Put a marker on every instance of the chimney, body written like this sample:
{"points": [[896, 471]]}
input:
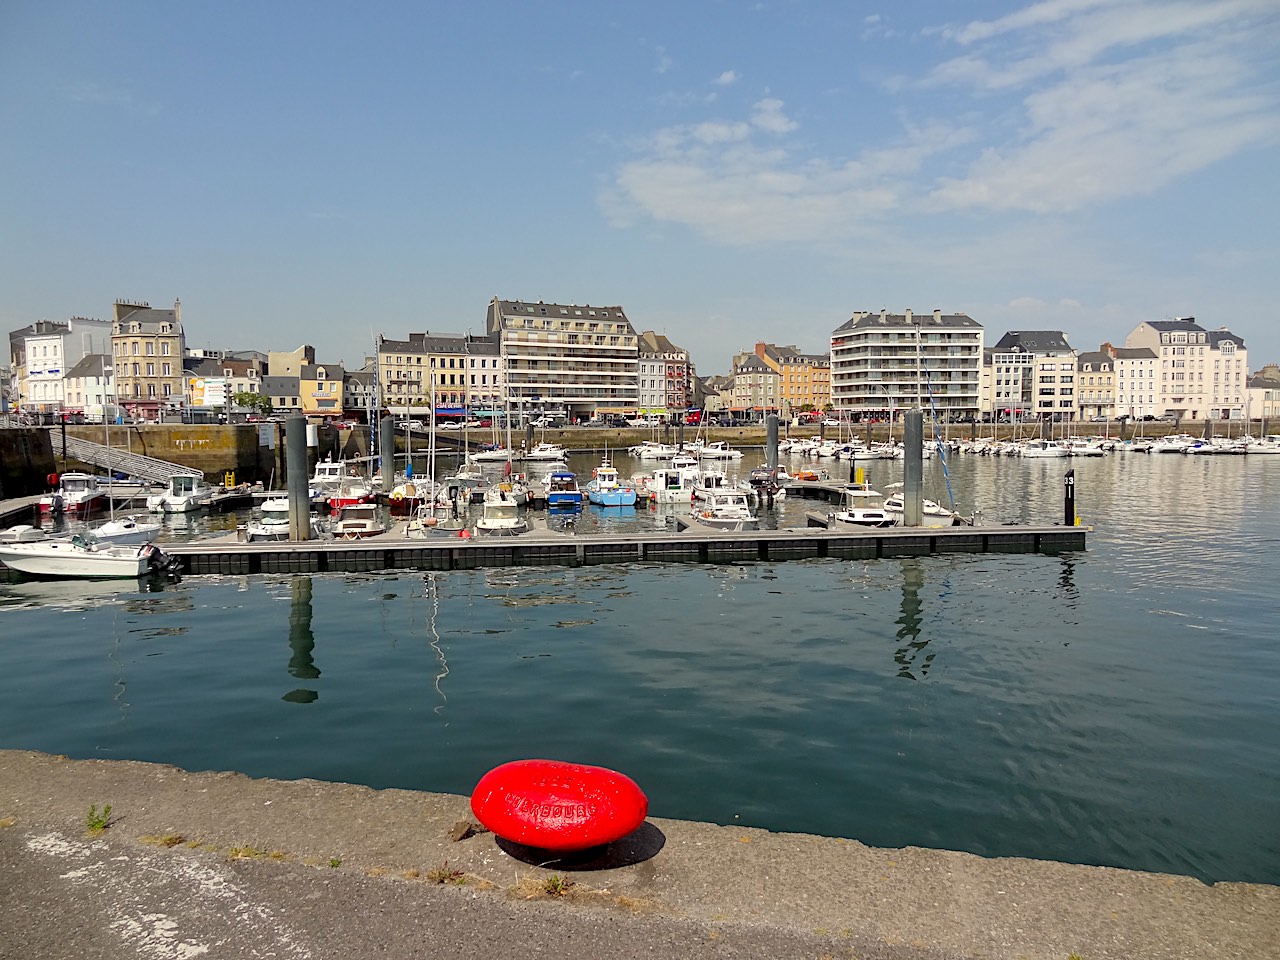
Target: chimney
{"points": [[907, 315], [882, 313], [177, 311], [937, 315]]}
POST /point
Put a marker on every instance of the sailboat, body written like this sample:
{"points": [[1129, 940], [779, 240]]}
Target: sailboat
{"points": [[127, 529]]}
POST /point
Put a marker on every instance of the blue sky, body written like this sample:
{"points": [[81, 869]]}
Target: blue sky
{"points": [[727, 172]]}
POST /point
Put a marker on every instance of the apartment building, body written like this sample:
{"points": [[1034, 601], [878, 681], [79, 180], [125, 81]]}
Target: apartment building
{"points": [[1095, 385], [664, 376], [1263, 399], [573, 360], [486, 393], [1201, 373], [1033, 374], [755, 386], [1136, 379], [804, 379], [885, 362], [42, 354], [148, 347], [412, 370]]}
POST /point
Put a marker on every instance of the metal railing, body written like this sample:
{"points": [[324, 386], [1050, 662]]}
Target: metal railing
{"points": [[109, 458]]}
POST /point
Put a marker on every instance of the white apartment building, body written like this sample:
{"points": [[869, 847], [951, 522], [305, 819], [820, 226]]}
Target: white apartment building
{"points": [[1202, 374], [886, 362], [485, 391], [567, 359], [1137, 381], [49, 351], [1033, 374], [663, 376]]}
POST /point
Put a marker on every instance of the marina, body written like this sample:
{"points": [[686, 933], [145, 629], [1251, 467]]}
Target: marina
{"points": [[1107, 706]]}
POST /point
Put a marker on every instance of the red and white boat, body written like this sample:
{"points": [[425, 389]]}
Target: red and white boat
{"points": [[334, 481], [78, 494]]}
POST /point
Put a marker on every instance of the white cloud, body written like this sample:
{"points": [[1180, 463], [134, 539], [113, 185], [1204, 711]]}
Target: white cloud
{"points": [[727, 78], [664, 62], [1066, 105], [769, 116], [1023, 303]]}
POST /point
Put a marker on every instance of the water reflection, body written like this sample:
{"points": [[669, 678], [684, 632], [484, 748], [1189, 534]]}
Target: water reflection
{"points": [[433, 639], [302, 641], [909, 622]]}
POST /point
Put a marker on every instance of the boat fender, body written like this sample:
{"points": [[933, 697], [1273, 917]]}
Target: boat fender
{"points": [[464, 534]]}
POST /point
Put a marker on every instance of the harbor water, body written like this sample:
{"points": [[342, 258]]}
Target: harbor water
{"points": [[1116, 706]]}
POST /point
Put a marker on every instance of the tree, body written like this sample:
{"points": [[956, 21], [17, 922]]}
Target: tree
{"points": [[253, 401]]}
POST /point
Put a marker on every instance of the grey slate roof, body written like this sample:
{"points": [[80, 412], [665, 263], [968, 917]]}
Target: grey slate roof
{"points": [[1135, 353], [90, 365], [1097, 358], [1216, 337], [753, 364], [1034, 341], [1177, 323], [552, 311], [862, 321]]}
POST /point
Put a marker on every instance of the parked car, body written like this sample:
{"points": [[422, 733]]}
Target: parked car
{"points": [[831, 422], [1167, 418], [1100, 418], [449, 425]]}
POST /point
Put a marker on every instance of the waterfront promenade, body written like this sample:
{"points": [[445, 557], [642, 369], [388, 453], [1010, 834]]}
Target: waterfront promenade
{"points": [[221, 865]]}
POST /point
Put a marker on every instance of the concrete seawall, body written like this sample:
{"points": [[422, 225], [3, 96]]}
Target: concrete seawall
{"points": [[222, 865]]}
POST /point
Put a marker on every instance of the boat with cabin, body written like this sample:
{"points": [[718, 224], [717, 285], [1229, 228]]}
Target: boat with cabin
{"points": [[78, 494], [606, 489], [186, 493], [81, 556], [563, 492], [726, 510]]}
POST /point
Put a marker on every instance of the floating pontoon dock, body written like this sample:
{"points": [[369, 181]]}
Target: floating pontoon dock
{"points": [[689, 545]]}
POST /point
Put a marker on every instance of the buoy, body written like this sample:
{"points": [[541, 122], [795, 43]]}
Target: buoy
{"points": [[52, 479], [558, 806], [465, 534]]}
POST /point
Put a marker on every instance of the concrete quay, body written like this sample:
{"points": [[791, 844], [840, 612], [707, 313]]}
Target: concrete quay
{"points": [[220, 865]]}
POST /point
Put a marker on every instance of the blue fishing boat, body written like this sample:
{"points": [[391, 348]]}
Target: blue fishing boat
{"points": [[563, 492], [607, 490]]}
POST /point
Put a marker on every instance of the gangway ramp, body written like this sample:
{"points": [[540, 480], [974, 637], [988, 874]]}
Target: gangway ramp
{"points": [[110, 458]]}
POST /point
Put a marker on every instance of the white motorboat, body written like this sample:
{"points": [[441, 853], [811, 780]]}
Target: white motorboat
{"points": [[124, 530], [718, 450], [652, 450], [931, 514], [436, 519], [1043, 449], [23, 533], [726, 510], [1268, 444], [273, 523], [78, 494], [80, 556], [545, 451], [492, 455], [355, 521], [671, 485], [187, 492], [862, 508], [501, 516], [707, 482]]}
